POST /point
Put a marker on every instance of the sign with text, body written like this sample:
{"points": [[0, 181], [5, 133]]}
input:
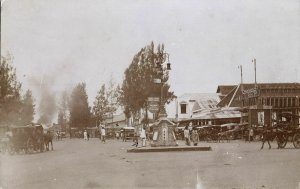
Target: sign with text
{"points": [[251, 93]]}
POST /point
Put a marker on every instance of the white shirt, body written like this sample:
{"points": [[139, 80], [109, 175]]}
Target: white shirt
{"points": [[143, 133], [103, 132]]}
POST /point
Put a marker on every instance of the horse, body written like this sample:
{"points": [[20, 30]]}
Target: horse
{"points": [[48, 139]]}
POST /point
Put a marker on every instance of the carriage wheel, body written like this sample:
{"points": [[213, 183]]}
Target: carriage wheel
{"points": [[296, 140], [30, 146], [282, 140]]}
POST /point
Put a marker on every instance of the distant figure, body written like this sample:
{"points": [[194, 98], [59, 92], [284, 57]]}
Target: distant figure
{"points": [[88, 135], [267, 134], [143, 137], [117, 135], [186, 134], [85, 135], [251, 134], [103, 133], [195, 136]]}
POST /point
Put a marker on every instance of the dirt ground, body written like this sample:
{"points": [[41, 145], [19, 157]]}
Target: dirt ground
{"points": [[76, 163]]}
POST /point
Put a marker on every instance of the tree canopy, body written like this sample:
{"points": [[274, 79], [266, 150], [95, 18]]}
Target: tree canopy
{"points": [[138, 83], [79, 108]]}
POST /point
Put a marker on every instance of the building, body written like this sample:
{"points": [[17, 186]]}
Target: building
{"points": [[201, 109], [263, 102]]}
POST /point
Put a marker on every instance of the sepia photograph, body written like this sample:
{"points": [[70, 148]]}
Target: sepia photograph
{"points": [[138, 94]]}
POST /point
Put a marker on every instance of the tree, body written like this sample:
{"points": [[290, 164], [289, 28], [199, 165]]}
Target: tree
{"points": [[27, 111], [100, 107], [10, 88], [79, 108], [138, 83], [112, 95]]}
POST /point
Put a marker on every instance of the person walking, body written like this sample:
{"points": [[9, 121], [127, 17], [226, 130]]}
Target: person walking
{"points": [[85, 135], [88, 135], [186, 133], [103, 133], [267, 133]]}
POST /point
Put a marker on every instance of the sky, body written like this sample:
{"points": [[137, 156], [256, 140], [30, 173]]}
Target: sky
{"points": [[57, 44]]}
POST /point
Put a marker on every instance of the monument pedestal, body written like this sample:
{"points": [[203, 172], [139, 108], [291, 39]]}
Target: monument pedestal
{"points": [[164, 133]]}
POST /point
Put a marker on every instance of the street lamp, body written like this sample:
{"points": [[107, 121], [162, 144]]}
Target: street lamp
{"points": [[162, 58]]}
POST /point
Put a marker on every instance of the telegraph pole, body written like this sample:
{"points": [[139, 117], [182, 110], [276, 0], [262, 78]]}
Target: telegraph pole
{"points": [[254, 61]]}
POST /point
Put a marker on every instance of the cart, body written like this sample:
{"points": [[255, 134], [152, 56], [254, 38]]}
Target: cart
{"points": [[26, 138], [288, 130]]}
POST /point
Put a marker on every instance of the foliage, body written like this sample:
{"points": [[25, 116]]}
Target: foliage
{"points": [[27, 111], [10, 97], [100, 107], [138, 83], [79, 108]]}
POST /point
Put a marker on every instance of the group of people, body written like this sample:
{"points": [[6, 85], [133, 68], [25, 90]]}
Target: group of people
{"points": [[191, 135]]}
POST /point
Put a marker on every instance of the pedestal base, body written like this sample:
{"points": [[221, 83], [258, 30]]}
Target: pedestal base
{"points": [[164, 134]]}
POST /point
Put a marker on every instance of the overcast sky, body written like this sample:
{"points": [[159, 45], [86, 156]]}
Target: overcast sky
{"points": [[69, 41]]}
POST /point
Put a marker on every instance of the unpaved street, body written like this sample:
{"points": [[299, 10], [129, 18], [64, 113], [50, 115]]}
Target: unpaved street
{"points": [[76, 163]]}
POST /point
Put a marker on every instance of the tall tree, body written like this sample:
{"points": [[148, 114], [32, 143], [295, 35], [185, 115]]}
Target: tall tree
{"points": [[10, 98], [139, 84], [100, 107], [112, 96], [27, 111], [79, 108]]}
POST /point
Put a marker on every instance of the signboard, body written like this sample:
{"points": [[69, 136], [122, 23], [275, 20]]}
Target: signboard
{"points": [[153, 104], [251, 93]]}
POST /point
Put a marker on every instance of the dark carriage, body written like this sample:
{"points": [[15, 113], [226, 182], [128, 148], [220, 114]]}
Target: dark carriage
{"points": [[288, 130], [26, 138]]}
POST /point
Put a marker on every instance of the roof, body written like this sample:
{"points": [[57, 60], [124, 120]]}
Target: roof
{"points": [[201, 100], [116, 118], [230, 98], [218, 113], [225, 89]]}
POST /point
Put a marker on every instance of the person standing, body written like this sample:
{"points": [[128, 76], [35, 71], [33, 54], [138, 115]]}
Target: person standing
{"points": [[195, 136], [143, 137], [103, 133], [186, 133], [85, 135], [251, 134], [88, 135]]}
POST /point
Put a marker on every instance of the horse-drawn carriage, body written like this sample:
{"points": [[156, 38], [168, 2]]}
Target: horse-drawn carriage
{"points": [[288, 130], [28, 139]]}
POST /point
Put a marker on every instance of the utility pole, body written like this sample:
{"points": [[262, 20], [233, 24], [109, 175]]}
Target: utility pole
{"points": [[241, 68], [254, 61]]}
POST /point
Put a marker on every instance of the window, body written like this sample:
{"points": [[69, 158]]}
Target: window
{"points": [[183, 108]]}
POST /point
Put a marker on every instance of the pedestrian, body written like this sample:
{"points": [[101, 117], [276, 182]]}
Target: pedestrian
{"points": [[88, 135], [117, 135], [251, 134], [85, 135], [186, 134], [103, 133], [143, 137], [195, 136], [267, 133]]}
